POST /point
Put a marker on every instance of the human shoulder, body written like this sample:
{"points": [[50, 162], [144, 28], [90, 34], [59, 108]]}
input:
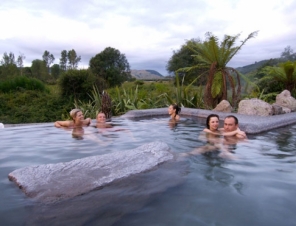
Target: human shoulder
{"points": [[211, 132], [87, 121]]}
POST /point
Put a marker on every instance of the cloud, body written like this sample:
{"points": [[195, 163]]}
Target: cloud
{"points": [[147, 32]]}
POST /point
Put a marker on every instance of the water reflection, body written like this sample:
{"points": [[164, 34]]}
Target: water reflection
{"points": [[210, 191], [78, 133], [109, 204]]}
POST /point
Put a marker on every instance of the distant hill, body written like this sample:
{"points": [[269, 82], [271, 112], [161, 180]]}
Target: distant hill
{"points": [[154, 75], [253, 67], [146, 74]]}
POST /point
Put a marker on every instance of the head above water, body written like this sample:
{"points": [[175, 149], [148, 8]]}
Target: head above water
{"points": [[75, 112], [230, 123], [174, 109], [101, 117], [211, 116]]}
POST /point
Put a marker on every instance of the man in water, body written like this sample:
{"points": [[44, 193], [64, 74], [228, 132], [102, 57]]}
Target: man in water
{"points": [[227, 145], [101, 121], [231, 124]]}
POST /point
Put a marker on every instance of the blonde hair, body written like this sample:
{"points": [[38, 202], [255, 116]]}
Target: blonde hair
{"points": [[73, 112]]}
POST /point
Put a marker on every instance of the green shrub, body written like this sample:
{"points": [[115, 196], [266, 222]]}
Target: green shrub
{"points": [[76, 84], [139, 82], [33, 107], [21, 83]]}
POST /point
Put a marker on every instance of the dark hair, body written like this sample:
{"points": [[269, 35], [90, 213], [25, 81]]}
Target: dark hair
{"points": [[208, 119], [177, 108], [235, 118]]}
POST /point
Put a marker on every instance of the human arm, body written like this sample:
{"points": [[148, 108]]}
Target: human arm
{"points": [[238, 133], [87, 121], [211, 132], [60, 124], [241, 135]]}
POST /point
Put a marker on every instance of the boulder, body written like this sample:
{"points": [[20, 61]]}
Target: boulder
{"points": [[284, 99], [55, 182], [223, 106], [254, 107], [286, 110], [277, 110]]}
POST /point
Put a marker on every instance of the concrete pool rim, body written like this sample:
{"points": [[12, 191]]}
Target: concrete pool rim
{"points": [[251, 124]]}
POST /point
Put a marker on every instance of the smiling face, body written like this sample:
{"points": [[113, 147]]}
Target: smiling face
{"points": [[79, 116], [101, 118], [213, 123]]}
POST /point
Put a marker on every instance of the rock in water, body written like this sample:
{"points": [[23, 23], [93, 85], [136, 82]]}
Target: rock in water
{"points": [[54, 182]]}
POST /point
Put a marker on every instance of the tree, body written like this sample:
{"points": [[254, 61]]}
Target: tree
{"points": [[288, 54], [48, 58], [8, 59], [77, 83], [73, 59], [111, 65], [8, 66], [20, 62], [183, 58], [55, 70], [214, 57], [39, 70], [64, 60]]}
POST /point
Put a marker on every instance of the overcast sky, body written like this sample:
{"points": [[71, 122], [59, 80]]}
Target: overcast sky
{"points": [[146, 31]]}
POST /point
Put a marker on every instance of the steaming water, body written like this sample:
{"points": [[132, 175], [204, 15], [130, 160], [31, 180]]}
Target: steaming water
{"points": [[257, 188]]}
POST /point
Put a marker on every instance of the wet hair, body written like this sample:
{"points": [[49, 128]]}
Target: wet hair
{"points": [[209, 118], [74, 112], [235, 118], [177, 108]]}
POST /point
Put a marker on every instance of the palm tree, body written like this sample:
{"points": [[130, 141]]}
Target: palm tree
{"points": [[284, 74], [214, 57]]}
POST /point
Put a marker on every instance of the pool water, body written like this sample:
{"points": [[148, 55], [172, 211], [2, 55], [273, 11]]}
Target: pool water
{"points": [[258, 187]]}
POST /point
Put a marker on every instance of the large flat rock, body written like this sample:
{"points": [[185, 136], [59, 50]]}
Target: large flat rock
{"points": [[53, 182]]}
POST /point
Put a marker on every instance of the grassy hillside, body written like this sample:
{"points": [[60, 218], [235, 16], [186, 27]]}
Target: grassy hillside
{"points": [[253, 67]]}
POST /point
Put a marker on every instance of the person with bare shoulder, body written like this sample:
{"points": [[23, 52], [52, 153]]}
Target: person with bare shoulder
{"points": [[101, 121], [77, 120], [212, 124], [174, 111], [231, 128], [212, 136]]}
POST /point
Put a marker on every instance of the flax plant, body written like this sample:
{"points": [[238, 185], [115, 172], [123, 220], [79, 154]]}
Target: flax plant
{"points": [[183, 95], [93, 106]]}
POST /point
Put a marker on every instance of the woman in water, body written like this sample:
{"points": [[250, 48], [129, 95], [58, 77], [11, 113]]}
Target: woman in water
{"points": [[77, 120], [212, 124], [213, 139], [174, 111]]}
